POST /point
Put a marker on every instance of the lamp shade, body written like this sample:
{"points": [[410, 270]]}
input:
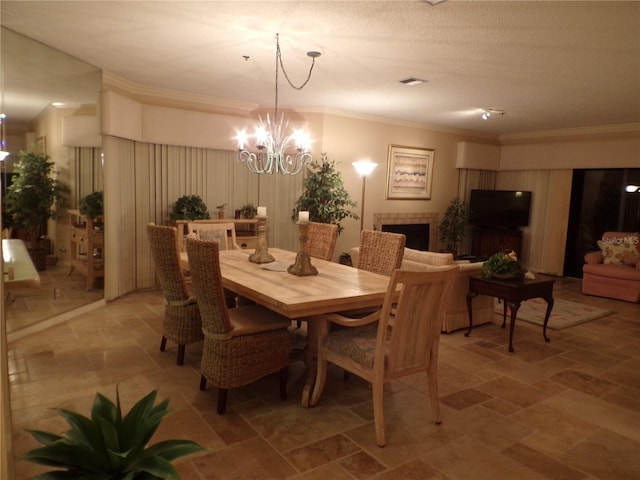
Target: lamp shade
{"points": [[364, 167]]}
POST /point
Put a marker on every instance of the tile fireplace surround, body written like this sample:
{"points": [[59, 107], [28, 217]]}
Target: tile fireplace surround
{"points": [[418, 218]]}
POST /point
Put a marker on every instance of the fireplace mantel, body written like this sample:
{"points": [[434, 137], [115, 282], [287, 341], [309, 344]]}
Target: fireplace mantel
{"points": [[431, 219]]}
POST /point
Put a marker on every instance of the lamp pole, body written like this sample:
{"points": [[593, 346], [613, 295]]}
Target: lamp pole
{"points": [[364, 168]]}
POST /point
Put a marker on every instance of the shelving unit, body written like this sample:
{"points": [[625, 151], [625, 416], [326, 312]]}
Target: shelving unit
{"points": [[246, 231], [489, 241], [86, 247]]}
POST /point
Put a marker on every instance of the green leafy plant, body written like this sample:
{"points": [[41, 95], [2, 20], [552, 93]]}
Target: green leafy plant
{"points": [[502, 264], [324, 196], [92, 205], [108, 446], [248, 210], [189, 207], [454, 224], [35, 196]]}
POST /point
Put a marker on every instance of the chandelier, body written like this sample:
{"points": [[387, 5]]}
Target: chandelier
{"points": [[277, 152]]}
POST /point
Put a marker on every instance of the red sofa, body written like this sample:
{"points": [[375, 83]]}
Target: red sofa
{"points": [[614, 271]]}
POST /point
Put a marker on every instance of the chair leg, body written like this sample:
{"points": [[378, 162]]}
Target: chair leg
{"points": [[284, 374], [432, 382], [163, 343], [180, 360], [378, 412], [203, 382], [222, 400]]}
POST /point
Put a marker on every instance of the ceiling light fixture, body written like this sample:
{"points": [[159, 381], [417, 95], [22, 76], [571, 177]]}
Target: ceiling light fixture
{"points": [[277, 153], [487, 112], [434, 2], [412, 81]]}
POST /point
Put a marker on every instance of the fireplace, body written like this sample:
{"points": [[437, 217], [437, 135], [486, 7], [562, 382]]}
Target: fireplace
{"points": [[421, 229]]}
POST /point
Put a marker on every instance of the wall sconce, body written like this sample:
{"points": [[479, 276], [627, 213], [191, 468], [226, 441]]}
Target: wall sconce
{"points": [[364, 168], [632, 188]]}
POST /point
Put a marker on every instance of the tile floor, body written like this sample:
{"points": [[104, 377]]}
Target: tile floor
{"points": [[568, 409]]}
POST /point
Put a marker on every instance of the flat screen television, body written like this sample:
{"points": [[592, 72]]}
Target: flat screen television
{"points": [[499, 208]]}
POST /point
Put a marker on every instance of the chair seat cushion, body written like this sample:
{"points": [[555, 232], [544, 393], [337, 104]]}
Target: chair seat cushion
{"points": [[252, 319], [357, 343], [622, 272]]}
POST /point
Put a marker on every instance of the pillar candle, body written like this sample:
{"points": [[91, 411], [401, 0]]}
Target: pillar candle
{"points": [[262, 211], [303, 216]]}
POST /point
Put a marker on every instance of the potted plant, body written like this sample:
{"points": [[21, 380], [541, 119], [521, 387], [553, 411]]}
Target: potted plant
{"points": [[248, 210], [92, 205], [111, 446], [189, 207], [324, 195], [453, 226], [34, 197]]}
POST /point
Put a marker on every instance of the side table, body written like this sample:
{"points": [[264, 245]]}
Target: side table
{"points": [[512, 293]]}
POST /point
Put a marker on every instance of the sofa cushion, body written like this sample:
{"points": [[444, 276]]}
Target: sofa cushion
{"points": [[620, 250], [430, 258]]}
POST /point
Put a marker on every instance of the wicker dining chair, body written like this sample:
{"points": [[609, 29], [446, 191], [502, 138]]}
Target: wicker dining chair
{"points": [[378, 353], [381, 252], [223, 233], [182, 322], [321, 240], [242, 344]]}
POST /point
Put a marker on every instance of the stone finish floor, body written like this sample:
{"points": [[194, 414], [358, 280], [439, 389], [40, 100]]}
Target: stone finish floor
{"points": [[564, 410]]}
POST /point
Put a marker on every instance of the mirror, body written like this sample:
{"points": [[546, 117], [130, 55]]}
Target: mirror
{"points": [[51, 101]]}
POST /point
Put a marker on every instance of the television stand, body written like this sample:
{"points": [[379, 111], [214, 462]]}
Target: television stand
{"points": [[489, 241]]}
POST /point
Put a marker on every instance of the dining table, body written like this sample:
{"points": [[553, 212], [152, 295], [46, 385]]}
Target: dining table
{"points": [[336, 288], [19, 270]]}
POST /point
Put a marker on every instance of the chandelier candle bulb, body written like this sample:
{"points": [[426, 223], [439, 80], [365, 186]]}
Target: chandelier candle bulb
{"points": [[303, 217], [262, 211]]}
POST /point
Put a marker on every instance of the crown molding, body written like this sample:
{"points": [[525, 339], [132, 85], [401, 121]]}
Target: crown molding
{"points": [[564, 134], [165, 97]]}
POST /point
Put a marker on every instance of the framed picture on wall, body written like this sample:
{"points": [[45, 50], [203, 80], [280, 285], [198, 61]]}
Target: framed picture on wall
{"points": [[41, 145], [409, 173]]}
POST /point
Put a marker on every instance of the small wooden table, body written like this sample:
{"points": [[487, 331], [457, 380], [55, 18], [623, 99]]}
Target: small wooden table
{"points": [[512, 293]]}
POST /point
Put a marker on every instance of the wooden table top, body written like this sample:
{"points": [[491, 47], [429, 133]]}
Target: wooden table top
{"points": [[18, 267], [336, 288]]}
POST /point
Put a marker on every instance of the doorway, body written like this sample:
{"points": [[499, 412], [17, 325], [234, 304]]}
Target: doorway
{"points": [[599, 203]]}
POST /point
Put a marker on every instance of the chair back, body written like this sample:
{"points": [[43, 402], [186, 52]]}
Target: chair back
{"points": [[222, 233], [204, 259], [381, 252], [163, 242], [321, 240], [417, 320]]}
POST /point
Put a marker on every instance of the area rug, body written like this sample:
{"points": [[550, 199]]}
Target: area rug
{"points": [[564, 314]]}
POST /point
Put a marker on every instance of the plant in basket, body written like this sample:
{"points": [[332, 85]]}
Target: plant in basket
{"points": [[502, 265]]}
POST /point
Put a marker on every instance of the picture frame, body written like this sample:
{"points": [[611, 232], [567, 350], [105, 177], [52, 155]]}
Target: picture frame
{"points": [[409, 173], [41, 145]]}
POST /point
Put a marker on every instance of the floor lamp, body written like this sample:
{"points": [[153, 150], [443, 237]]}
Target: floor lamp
{"points": [[364, 168]]}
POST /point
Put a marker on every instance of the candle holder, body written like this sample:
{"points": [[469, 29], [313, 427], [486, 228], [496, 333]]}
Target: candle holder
{"points": [[302, 267], [261, 255]]}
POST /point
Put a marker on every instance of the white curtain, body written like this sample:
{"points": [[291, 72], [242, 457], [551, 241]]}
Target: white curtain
{"points": [[544, 240], [143, 181], [88, 174]]}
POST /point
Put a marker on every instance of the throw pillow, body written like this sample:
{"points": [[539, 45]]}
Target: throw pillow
{"points": [[622, 250]]}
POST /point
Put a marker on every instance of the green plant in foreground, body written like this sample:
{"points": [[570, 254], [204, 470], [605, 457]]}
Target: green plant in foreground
{"points": [[108, 446]]}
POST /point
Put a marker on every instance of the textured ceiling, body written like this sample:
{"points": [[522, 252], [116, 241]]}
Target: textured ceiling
{"points": [[549, 65]]}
